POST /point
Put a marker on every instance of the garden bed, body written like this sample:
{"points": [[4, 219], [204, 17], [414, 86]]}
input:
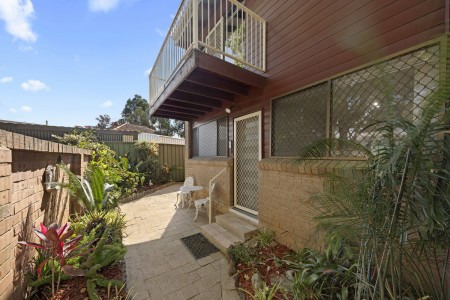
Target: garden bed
{"points": [[75, 287]]}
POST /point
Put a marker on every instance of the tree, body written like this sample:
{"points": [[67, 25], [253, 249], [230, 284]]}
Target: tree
{"points": [[104, 121], [168, 127], [136, 111]]}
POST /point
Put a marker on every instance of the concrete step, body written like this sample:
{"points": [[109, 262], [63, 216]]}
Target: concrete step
{"points": [[239, 227], [219, 236]]}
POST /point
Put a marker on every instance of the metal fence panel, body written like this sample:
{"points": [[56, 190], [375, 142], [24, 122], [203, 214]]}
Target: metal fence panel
{"points": [[173, 155]]}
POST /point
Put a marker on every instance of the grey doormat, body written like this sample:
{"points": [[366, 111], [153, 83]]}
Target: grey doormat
{"points": [[198, 245]]}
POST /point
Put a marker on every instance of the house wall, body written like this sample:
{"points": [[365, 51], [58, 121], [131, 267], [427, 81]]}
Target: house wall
{"points": [[24, 203], [309, 42]]}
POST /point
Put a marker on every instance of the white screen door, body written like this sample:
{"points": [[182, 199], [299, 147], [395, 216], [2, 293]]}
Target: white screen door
{"points": [[247, 153]]}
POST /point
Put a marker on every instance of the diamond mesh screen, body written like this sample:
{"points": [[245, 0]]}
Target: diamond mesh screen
{"points": [[396, 87], [299, 119], [210, 139], [247, 157]]}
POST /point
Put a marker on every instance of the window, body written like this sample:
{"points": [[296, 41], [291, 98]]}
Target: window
{"points": [[398, 86], [210, 139], [299, 119]]}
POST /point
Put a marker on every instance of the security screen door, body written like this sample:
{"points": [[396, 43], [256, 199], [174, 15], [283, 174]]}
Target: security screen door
{"points": [[247, 153]]}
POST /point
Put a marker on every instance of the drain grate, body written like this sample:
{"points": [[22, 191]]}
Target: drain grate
{"points": [[199, 246]]}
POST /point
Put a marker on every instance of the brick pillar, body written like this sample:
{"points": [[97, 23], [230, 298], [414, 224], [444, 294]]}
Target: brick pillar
{"points": [[7, 243]]}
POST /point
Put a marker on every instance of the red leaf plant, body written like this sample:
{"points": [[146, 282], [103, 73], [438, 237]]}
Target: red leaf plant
{"points": [[56, 245]]}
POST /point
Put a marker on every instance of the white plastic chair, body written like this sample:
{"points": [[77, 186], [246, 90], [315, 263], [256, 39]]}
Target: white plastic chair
{"points": [[187, 182], [203, 202]]}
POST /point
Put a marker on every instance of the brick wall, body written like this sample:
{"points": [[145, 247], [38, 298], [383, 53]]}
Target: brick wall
{"points": [[285, 189], [24, 203], [203, 169]]}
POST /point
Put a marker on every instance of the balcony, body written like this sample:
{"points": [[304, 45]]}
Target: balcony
{"points": [[214, 50]]}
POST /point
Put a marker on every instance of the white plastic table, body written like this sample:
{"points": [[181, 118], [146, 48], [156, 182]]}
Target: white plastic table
{"points": [[186, 190]]}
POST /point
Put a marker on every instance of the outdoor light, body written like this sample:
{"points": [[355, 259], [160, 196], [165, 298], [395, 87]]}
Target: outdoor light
{"points": [[228, 109]]}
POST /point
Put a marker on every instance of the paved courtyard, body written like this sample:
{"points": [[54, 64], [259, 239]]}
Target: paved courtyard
{"points": [[158, 264]]}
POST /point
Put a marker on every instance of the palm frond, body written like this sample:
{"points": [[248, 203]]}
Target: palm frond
{"points": [[323, 147]]}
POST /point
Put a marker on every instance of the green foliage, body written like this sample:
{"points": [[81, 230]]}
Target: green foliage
{"points": [[136, 111], [264, 292], [114, 171], [104, 121], [116, 293], [319, 276], [242, 253], [104, 255], [264, 236], [395, 212], [91, 191], [95, 223]]}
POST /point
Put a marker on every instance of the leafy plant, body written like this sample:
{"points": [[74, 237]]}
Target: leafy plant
{"points": [[264, 292], [116, 294], [242, 253], [91, 192], [104, 255], [100, 220], [264, 236], [114, 170], [395, 211], [56, 246], [318, 276]]}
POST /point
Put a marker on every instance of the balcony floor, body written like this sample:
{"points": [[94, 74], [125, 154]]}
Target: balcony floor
{"points": [[203, 82]]}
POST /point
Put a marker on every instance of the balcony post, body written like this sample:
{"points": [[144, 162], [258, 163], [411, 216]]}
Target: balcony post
{"points": [[195, 23]]}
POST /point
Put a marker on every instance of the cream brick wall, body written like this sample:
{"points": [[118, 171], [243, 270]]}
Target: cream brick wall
{"points": [[203, 169], [285, 191], [24, 203]]}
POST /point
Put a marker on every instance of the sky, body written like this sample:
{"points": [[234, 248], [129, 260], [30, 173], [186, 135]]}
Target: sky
{"points": [[69, 61]]}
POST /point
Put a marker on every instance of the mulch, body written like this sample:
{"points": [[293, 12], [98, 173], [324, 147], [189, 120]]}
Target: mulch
{"points": [[75, 288], [270, 265]]}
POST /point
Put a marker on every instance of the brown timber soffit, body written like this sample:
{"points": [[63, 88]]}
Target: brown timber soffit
{"points": [[203, 82]]}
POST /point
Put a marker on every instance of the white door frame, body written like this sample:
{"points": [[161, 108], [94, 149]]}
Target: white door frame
{"points": [[259, 114]]}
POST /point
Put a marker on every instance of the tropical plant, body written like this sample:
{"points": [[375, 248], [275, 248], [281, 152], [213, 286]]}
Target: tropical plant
{"points": [[116, 294], [98, 221], [264, 236], [318, 276], [55, 247], [103, 255], [264, 292], [92, 191], [242, 253], [115, 170], [396, 210]]}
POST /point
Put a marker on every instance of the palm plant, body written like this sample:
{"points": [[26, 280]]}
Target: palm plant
{"points": [[396, 210], [91, 191]]}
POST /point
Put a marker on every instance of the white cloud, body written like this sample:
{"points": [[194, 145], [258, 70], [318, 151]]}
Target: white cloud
{"points": [[159, 31], [172, 16], [6, 79], [147, 72], [26, 108], [13, 110], [102, 5], [16, 14], [34, 85], [107, 103]]}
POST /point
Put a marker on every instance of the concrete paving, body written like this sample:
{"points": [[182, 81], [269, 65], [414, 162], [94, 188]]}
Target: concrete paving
{"points": [[158, 264]]}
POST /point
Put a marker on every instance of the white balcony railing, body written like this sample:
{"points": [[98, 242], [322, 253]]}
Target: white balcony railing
{"points": [[222, 28]]}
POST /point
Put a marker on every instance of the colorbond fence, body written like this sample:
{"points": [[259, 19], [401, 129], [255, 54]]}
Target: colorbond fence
{"points": [[173, 155]]}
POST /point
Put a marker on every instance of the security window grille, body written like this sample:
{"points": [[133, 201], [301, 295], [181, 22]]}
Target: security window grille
{"points": [[397, 87], [210, 139], [299, 119]]}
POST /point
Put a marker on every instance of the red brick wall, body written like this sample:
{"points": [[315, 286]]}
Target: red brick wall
{"points": [[24, 203]]}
